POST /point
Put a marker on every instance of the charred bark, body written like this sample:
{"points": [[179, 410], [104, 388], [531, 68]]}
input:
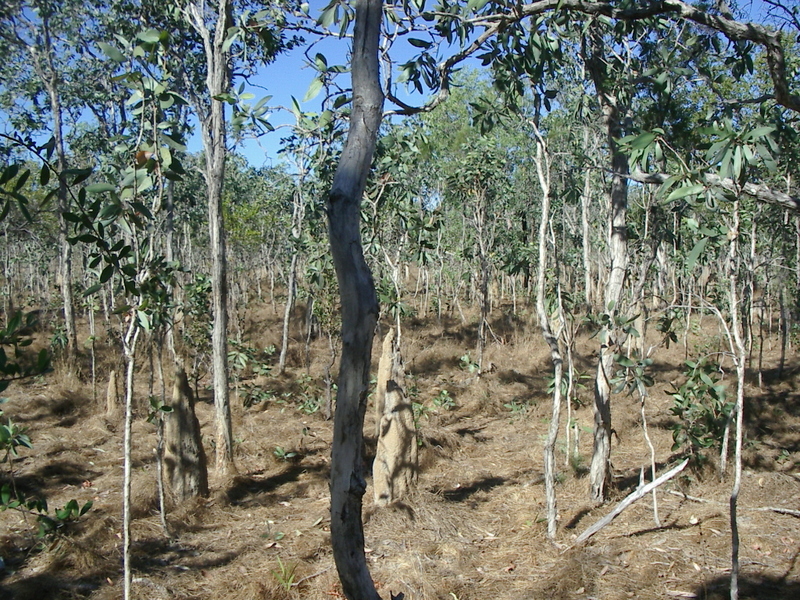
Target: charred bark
{"points": [[359, 306]]}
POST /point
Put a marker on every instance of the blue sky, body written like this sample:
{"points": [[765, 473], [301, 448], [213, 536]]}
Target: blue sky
{"points": [[290, 76]]}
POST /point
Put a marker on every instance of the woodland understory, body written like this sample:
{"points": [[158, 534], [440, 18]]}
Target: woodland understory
{"points": [[513, 312]]}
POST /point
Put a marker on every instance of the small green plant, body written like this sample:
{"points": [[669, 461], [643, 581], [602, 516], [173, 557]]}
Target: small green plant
{"points": [[632, 375], [579, 377], [467, 364], [444, 400], [157, 409], [516, 408], [309, 400], [253, 394], [605, 324], [701, 407], [419, 410], [577, 463], [59, 340], [47, 524], [12, 436], [282, 454], [285, 575]]}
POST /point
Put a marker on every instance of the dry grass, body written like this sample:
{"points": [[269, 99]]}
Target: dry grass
{"points": [[473, 529]]}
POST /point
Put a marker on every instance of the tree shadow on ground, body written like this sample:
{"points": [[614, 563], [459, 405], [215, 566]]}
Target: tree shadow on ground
{"points": [[54, 474], [51, 587], [432, 365], [155, 554], [257, 491], [575, 520], [751, 587], [64, 472], [462, 492]]}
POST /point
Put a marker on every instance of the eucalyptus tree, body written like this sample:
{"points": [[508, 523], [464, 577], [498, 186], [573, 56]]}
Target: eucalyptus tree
{"points": [[207, 41], [358, 301], [41, 60]]}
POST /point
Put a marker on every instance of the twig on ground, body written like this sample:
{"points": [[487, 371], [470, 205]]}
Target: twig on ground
{"points": [[307, 577]]}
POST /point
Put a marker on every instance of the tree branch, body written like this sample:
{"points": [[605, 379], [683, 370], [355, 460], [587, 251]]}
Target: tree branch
{"points": [[758, 191]]}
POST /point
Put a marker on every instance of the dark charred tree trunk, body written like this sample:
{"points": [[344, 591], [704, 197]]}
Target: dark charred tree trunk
{"points": [[359, 306]]}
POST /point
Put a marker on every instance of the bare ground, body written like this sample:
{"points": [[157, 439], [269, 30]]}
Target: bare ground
{"points": [[474, 529]]}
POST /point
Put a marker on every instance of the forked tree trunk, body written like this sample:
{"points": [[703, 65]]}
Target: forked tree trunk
{"points": [[395, 468], [359, 306], [600, 470], [287, 313], [129, 350], [184, 457], [297, 226]]}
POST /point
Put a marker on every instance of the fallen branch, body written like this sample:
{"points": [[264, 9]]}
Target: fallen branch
{"points": [[775, 509], [630, 499]]}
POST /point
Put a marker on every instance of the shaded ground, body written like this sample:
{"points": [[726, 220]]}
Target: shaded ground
{"points": [[474, 528]]}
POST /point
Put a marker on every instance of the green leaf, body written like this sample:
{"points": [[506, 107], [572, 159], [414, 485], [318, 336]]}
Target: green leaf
{"points": [[9, 173], [111, 52], [149, 36], [92, 289], [686, 190], [692, 257], [643, 140], [327, 17], [108, 271], [419, 43], [44, 176], [233, 33], [144, 320], [99, 188], [760, 132], [313, 89], [476, 5]]}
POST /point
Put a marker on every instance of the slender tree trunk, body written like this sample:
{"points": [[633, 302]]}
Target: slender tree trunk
{"points": [[740, 360], [586, 199], [600, 471], [45, 69], [287, 313], [212, 125], [359, 306], [129, 348], [543, 172], [297, 228]]}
